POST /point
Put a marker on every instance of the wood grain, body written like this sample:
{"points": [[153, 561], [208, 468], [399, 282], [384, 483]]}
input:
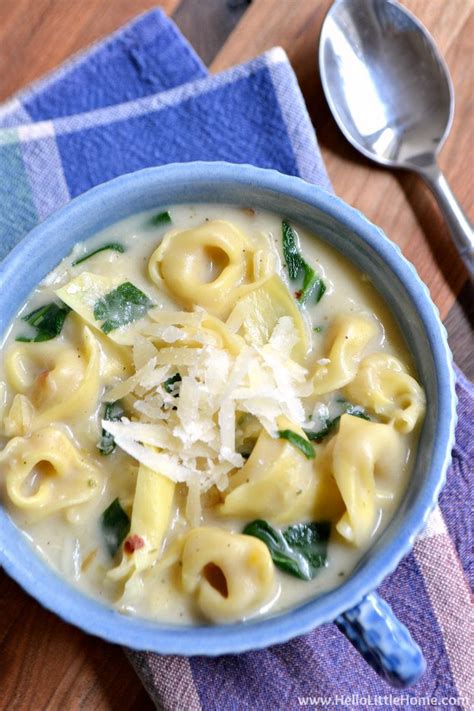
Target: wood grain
{"points": [[398, 202], [459, 325], [47, 664]]}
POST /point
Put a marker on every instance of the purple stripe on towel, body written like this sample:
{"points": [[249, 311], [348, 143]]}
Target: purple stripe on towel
{"points": [[456, 500]]}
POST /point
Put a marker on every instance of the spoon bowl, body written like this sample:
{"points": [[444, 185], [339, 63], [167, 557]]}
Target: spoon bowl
{"points": [[390, 92]]}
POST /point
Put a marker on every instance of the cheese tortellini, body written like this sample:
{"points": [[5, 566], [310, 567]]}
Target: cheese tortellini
{"points": [[363, 457], [347, 338], [384, 387], [276, 483], [45, 472], [229, 575], [211, 419], [53, 381], [18, 420], [211, 266], [279, 484]]}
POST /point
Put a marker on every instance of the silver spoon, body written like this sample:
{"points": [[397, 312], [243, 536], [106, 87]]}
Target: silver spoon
{"points": [[390, 92]]}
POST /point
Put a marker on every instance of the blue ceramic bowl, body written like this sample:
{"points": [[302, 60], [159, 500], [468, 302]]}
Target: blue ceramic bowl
{"points": [[369, 623]]}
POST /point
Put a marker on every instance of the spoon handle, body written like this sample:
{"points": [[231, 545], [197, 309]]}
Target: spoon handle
{"points": [[458, 224]]}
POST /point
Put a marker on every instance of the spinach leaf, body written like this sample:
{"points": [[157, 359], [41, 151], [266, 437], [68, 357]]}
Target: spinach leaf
{"points": [[291, 253], [113, 412], [298, 267], [123, 305], [330, 423], [310, 540], [162, 218], [309, 282], [300, 550], [298, 442], [319, 290], [113, 245], [312, 285], [169, 384], [48, 321], [115, 526], [356, 411]]}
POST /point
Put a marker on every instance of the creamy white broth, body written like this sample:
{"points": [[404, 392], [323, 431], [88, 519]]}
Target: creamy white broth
{"points": [[72, 541]]}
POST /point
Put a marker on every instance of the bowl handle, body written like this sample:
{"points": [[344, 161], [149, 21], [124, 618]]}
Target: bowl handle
{"points": [[384, 642]]}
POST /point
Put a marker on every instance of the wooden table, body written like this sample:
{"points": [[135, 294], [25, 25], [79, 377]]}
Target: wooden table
{"points": [[45, 663]]}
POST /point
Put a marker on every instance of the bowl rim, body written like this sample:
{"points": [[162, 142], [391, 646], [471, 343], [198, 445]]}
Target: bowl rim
{"points": [[33, 573]]}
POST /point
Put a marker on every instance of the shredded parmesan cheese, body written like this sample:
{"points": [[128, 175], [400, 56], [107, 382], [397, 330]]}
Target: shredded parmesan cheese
{"points": [[190, 433]]}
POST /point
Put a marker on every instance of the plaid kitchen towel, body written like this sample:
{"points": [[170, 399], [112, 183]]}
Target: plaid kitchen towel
{"points": [[142, 98]]}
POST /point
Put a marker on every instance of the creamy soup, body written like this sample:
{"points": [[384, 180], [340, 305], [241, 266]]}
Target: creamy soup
{"points": [[207, 414]]}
